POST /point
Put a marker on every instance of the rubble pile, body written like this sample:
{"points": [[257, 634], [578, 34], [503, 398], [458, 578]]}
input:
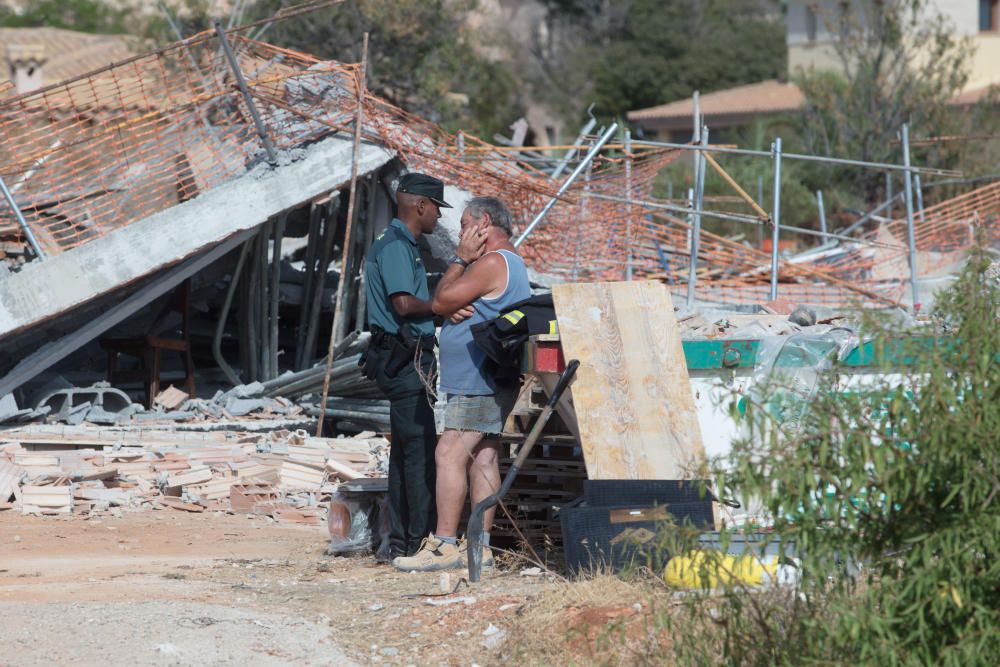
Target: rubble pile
{"points": [[742, 326], [290, 401], [49, 469]]}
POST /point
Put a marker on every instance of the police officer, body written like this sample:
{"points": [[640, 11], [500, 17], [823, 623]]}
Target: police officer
{"points": [[401, 355]]}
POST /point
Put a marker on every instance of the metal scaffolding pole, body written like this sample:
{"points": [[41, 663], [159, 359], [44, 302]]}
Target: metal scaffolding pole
{"points": [[776, 218], [888, 190], [920, 196], [272, 155], [822, 211], [910, 232], [699, 200], [32, 241], [594, 150], [745, 219], [572, 151], [797, 156]]}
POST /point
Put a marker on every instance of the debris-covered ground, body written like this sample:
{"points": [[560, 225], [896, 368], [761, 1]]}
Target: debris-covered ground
{"points": [[170, 587]]}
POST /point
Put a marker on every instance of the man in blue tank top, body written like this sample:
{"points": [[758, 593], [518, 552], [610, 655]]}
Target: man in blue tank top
{"points": [[487, 273]]}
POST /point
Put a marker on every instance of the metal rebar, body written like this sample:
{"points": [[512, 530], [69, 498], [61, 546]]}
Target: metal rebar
{"points": [[345, 260], [776, 218], [32, 241], [822, 211], [910, 232], [569, 181], [272, 155], [699, 200]]}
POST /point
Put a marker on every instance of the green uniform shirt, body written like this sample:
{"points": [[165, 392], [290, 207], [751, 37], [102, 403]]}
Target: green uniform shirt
{"points": [[394, 266]]}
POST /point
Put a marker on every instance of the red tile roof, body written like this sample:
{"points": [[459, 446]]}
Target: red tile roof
{"points": [[68, 53], [724, 107]]}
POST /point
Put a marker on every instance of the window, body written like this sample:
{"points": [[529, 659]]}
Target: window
{"points": [[811, 24], [989, 15]]}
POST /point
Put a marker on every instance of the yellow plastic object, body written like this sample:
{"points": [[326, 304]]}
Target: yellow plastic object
{"points": [[696, 569]]}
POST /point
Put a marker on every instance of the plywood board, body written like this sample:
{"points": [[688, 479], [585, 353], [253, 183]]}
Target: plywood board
{"points": [[632, 396]]}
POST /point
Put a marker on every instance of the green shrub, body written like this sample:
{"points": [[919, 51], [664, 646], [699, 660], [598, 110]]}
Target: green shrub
{"points": [[890, 492]]}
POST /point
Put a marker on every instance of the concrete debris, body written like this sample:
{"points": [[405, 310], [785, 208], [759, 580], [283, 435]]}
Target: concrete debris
{"points": [[782, 321], [103, 405], [85, 470]]}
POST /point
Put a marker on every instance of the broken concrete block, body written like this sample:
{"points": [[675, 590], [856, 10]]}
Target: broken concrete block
{"points": [[8, 407], [64, 402], [252, 390], [98, 415], [76, 414], [239, 407]]}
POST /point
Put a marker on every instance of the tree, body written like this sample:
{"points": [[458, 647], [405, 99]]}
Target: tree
{"points": [[899, 61], [632, 54], [422, 57], [83, 15]]}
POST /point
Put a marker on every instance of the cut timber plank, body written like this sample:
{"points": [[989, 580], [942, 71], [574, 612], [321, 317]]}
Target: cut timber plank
{"points": [[193, 476], [632, 395], [46, 499]]}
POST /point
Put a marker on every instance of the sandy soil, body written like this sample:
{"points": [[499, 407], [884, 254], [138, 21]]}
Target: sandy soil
{"points": [[167, 587]]}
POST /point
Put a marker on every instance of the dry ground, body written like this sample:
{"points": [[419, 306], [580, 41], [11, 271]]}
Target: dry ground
{"points": [[168, 587]]}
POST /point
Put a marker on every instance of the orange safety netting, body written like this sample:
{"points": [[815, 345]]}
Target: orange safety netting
{"points": [[91, 155]]}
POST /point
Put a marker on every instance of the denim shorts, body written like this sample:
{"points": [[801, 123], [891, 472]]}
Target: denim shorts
{"points": [[485, 414]]}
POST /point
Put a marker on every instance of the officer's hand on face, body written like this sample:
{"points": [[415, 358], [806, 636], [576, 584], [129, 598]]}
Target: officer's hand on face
{"points": [[472, 242], [463, 313]]}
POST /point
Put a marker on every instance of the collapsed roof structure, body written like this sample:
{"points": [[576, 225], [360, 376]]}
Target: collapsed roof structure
{"points": [[127, 181]]}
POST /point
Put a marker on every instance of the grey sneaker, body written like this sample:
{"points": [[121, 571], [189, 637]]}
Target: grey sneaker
{"points": [[433, 555]]}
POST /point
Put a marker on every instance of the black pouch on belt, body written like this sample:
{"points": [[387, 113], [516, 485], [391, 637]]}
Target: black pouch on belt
{"points": [[402, 351], [368, 360]]}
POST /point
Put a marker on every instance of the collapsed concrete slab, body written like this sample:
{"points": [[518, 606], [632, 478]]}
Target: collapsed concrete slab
{"points": [[184, 237], [45, 289]]}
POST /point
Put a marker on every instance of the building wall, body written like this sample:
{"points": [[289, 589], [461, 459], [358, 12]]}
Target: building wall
{"points": [[986, 63], [809, 43]]}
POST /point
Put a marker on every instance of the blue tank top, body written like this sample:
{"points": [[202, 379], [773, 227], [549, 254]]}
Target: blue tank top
{"points": [[462, 361]]}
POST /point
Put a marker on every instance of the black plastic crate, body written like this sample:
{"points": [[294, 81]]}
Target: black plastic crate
{"points": [[616, 537], [643, 492]]}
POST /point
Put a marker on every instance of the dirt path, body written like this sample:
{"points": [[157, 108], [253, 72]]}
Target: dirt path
{"points": [[168, 587]]}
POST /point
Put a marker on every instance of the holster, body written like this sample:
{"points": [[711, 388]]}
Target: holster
{"points": [[402, 348]]}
